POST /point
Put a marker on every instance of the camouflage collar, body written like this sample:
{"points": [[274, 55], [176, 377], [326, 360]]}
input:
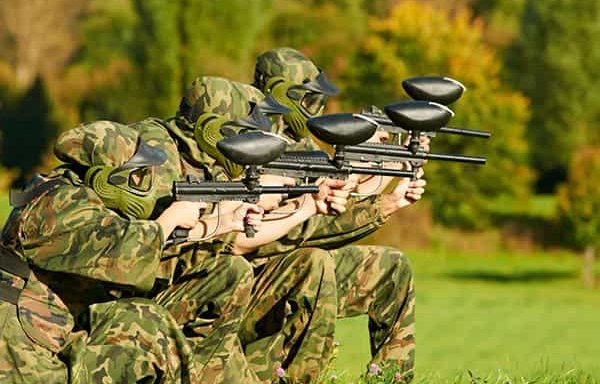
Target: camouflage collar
{"points": [[67, 173], [186, 143]]}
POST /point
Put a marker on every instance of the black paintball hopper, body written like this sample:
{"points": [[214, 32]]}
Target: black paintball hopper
{"points": [[442, 90], [252, 148], [418, 115], [342, 128]]}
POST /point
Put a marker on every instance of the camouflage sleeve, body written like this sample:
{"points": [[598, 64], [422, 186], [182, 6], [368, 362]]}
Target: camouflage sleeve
{"points": [[70, 230], [362, 218]]}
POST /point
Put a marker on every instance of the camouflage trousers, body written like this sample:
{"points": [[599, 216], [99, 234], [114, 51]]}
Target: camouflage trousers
{"points": [[378, 281], [208, 302], [288, 327], [129, 341]]}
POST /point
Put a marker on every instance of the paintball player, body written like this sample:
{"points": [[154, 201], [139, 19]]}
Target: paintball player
{"points": [[213, 288], [291, 317], [65, 232], [373, 280]]}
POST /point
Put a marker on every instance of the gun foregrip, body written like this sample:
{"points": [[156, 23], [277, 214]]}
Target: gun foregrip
{"points": [[180, 235], [249, 230]]}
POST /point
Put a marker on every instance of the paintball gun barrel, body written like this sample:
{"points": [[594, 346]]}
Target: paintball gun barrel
{"points": [[250, 149]]}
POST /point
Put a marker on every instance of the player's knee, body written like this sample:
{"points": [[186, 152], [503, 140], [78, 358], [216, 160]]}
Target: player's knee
{"points": [[241, 269], [315, 260], [397, 261]]}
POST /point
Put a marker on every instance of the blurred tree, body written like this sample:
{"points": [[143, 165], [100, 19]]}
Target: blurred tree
{"points": [[579, 204], [503, 18], [155, 53], [418, 39], [29, 127], [38, 36], [219, 38], [324, 30], [555, 65], [102, 83], [139, 56]]}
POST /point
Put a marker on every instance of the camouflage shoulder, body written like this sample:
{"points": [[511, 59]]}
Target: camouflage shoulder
{"points": [[151, 126]]}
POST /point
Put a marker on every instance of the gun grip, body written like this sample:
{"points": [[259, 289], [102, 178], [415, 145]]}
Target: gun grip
{"points": [[249, 230], [180, 235]]}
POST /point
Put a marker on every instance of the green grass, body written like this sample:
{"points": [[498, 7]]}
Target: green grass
{"points": [[540, 206], [507, 318]]}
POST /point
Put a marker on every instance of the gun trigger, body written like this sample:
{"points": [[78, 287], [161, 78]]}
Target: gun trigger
{"points": [[192, 179]]}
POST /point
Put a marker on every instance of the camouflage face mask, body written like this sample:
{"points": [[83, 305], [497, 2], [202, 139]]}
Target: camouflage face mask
{"points": [[296, 100], [129, 187], [211, 128]]}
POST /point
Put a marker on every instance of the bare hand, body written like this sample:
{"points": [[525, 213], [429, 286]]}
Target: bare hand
{"points": [[333, 195], [184, 214], [246, 214], [269, 202], [379, 137], [407, 192]]}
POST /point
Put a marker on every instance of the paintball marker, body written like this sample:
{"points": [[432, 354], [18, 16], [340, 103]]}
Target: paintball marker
{"points": [[340, 130], [416, 117], [426, 114], [251, 149], [437, 89]]}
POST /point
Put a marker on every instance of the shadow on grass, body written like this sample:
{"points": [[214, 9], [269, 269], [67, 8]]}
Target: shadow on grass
{"points": [[512, 277]]}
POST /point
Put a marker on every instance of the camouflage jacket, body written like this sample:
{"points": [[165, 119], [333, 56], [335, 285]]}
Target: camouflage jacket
{"points": [[362, 218], [67, 230], [178, 259]]}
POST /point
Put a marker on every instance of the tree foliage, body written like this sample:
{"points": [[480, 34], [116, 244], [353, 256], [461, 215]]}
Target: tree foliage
{"points": [[418, 39], [579, 199], [38, 36], [29, 126], [554, 64]]}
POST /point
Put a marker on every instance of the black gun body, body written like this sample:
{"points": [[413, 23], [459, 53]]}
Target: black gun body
{"points": [[392, 153], [387, 125], [213, 192], [317, 164]]}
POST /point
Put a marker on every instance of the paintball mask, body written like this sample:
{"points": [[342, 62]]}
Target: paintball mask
{"points": [[129, 187], [296, 82], [304, 100], [211, 128]]}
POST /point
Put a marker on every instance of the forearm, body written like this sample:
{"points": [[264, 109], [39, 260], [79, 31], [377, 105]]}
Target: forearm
{"points": [[362, 218], [275, 226]]}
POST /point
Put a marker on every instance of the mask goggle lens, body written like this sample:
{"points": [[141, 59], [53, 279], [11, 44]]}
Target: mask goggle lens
{"points": [[137, 179], [141, 179], [312, 102]]}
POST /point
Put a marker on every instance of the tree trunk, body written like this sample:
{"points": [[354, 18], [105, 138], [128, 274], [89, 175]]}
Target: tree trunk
{"points": [[587, 271]]}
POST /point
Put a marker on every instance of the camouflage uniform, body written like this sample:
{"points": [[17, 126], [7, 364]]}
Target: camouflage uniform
{"points": [[200, 284], [371, 280], [204, 286], [125, 340], [291, 317], [106, 255]]}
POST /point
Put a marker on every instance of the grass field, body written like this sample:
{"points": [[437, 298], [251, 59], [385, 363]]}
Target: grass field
{"points": [[518, 318]]}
